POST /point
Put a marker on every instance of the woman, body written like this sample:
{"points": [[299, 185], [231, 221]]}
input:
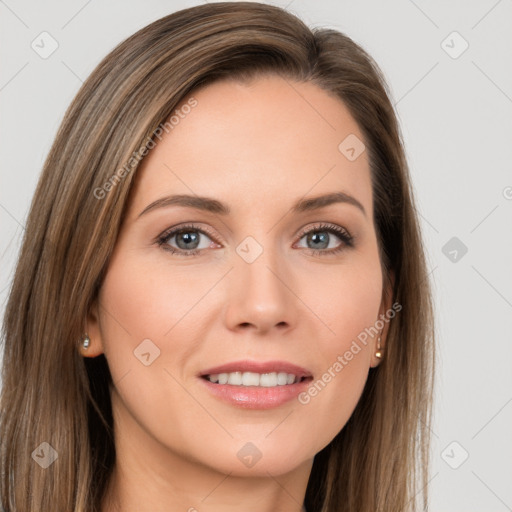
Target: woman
{"points": [[224, 359]]}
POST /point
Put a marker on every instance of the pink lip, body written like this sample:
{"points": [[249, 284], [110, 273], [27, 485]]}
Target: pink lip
{"points": [[255, 397], [258, 367]]}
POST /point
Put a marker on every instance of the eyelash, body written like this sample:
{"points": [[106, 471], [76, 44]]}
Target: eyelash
{"points": [[343, 234]]}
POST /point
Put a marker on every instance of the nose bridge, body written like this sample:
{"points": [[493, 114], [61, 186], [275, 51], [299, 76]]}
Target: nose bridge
{"points": [[259, 293]]}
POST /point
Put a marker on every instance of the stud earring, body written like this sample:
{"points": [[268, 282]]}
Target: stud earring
{"points": [[86, 341], [378, 354]]}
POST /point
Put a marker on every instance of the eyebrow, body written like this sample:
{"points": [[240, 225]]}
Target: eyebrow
{"points": [[214, 206]]}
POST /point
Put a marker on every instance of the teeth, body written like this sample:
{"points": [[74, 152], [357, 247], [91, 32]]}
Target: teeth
{"points": [[250, 379], [266, 380], [281, 379], [235, 378]]}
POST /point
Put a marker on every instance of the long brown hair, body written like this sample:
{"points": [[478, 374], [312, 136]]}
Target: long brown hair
{"points": [[379, 460]]}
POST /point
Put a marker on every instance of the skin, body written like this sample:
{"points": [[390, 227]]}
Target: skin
{"points": [[258, 147]]}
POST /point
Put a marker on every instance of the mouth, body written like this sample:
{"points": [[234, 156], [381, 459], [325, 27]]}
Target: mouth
{"points": [[256, 385]]}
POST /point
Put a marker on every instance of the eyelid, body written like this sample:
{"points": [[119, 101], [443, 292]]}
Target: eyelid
{"points": [[325, 226], [192, 226]]}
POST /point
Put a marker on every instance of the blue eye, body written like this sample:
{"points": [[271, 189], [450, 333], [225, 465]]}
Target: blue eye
{"points": [[187, 238], [319, 235]]}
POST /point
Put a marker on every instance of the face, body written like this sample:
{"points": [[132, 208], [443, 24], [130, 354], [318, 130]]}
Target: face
{"points": [[246, 284]]}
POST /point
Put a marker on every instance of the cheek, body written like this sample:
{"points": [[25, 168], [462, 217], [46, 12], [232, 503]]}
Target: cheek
{"points": [[145, 312], [349, 306], [138, 307], [346, 300], [151, 314], [143, 301]]}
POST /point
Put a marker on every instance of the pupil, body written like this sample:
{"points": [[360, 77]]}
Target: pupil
{"points": [[187, 238], [315, 236]]}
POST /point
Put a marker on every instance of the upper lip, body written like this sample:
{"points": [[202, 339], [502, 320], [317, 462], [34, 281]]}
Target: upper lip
{"points": [[258, 367]]}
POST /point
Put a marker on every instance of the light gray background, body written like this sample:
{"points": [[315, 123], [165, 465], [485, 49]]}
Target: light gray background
{"points": [[456, 119]]}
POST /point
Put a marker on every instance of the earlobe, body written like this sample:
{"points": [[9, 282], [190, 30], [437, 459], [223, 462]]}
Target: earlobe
{"points": [[90, 343], [387, 297], [378, 353]]}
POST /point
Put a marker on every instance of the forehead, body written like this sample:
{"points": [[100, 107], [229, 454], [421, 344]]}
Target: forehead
{"points": [[270, 140]]}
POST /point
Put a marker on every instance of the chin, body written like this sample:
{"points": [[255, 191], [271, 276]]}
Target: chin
{"points": [[259, 457]]}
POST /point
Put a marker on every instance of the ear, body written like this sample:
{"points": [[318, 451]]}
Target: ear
{"points": [[93, 330], [383, 318]]}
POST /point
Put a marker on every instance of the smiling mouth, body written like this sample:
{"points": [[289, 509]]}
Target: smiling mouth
{"points": [[253, 379], [250, 384]]}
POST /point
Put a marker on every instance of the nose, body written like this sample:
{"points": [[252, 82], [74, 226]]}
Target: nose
{"points": [[260, 296]]}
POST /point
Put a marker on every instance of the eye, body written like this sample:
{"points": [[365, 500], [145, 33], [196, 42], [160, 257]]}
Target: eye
{"points": [[320, 237], [187, 238]]}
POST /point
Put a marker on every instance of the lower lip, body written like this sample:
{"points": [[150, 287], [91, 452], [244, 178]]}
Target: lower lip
{"points": [[256, 397]]}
